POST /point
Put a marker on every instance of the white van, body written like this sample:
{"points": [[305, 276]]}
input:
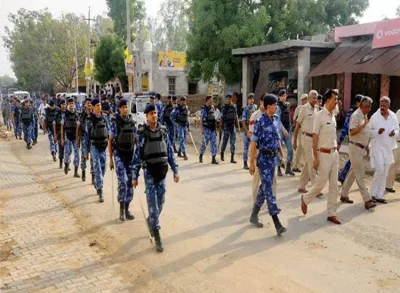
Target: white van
{"points": [[20, 95], [136, 104]]}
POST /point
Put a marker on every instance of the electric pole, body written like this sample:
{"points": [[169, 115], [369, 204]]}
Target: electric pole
{"points": [[88, 52]]}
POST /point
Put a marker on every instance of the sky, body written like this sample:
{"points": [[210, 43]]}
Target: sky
{"points": [[375, 12]]}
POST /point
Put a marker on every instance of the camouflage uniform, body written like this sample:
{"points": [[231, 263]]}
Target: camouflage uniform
{"points": [[57, 123], [209, 126], [247, 112], [343, 133], [27, 122], [229, 118], [70, 142], [178, 117]]}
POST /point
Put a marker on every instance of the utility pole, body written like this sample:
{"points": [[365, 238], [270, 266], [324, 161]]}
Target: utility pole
{"points": [[129, 40], [76, 62], [88, 51]]}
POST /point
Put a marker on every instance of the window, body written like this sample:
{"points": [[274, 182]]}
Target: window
{"points": [[171, 85]]}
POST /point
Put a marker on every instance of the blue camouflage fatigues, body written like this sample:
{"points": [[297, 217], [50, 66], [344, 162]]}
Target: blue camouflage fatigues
{"points": [[27, 127], [210, 134], [50, 134], [17, 120], [249, 109], [35, 124], [155, 191], [98, 155], [266, 136], [169, 124], [286, 140], [70, 144], [82, 132], [229, 131], [58, 133], [180, 128], [159, 108], [343, 133], [123, 167]]}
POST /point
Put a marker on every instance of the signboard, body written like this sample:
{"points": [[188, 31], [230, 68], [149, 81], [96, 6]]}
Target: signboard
{"points": [[170, 60], [129, 68], [387, 34]]}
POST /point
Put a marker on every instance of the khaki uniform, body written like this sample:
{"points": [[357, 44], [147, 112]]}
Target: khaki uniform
{"points": [[256, 177], [357, 146], [325, 128], [306, 120], [299, 150], [396, 165]]}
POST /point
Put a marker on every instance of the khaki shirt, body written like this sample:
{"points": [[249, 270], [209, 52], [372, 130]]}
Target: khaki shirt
{"points": [[325, 128], [357, 119], [306, 117]]}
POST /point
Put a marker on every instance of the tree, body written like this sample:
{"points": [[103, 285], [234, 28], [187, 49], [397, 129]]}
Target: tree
{"points": [[217, 27], [109, 60], [170, 28], [7, 81], [117, 12], [398, 11]]}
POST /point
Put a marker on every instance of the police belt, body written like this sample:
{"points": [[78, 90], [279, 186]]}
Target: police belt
{"points": [[269, 153], [358, 144]]}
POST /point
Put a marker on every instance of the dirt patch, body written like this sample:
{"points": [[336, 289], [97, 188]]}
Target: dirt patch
{"points": [[6, 249], [4, 272]]}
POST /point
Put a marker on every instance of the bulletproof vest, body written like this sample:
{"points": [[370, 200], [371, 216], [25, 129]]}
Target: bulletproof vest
{"points": [[249, 111], [17, 112], [167, 111], [83, 119], [230, 116], [209, 121], [58, 120], [155, 153], [285, 114], [125, 141], [182, 117], [99, 137], [26, 116], [70, 124], [50, 115], [105, 106]]}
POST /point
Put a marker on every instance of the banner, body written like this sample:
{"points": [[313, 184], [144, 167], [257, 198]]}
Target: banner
{"points": [[171, 60], [89, 64]]}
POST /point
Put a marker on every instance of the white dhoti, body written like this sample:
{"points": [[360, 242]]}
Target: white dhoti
{"points": [[381, 165]]}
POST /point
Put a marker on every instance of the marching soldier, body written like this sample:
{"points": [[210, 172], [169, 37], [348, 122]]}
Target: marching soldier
{"points": [[180, 116], [17, 119], [95, 140], [247, 112], [27, 122], [266, 140], [154, 152], [48, 119], [208, 124], [121, 145], [229, 120], [57, 130], [326, 157], [82, 126], [166, 120], [69, 132]]}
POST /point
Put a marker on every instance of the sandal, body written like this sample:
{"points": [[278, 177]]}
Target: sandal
{"points": [[381, 200]]}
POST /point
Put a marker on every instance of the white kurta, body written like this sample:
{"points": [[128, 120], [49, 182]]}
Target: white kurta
{"points": [[382, 145]]}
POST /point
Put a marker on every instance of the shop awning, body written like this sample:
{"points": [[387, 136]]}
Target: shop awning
{"points": [[359, 57]]}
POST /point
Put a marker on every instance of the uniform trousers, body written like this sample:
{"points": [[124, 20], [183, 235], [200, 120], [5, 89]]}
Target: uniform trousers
{"points": [[308, 172], [210, 136], [229, 134], [266, 167], [69, 146], [393, 168], [99, 165], [155, 193], [299, 153], [123, 168]]}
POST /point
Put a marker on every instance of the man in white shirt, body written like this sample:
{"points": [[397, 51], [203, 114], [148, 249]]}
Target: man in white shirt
{"points": [[384, 129], [396, 165], [42, 111]]}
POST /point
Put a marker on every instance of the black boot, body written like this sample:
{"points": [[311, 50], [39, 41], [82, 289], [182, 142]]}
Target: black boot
{"points": [[128, 214], [83, 175], [175, 150], [289, 170], [149, 226], [185, 157], [66, 168], [54, 156], [61, 163], [122, 211], [100, 193], [214, 161], [157, 237], [93, 179], [233, 159], [222, 157], [278, 226], [279, 172], [245, 166], [76, 175], [254, 217], [179, 154], [201, 158]]}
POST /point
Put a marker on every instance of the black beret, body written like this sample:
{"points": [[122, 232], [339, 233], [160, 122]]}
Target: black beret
{"points": [[122, 102], [149, 108], [158, 96], [62, 101], [88, 99], [70, 99], [152, 97], [95, 102], [269, 99], [320, 97], [174, 98], [282, 92], [358, 98], [169, 97], [228, 96], [51, 103]]}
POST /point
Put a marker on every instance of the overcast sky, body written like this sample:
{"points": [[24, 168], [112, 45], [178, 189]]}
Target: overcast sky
{"points": [[375, 12]]}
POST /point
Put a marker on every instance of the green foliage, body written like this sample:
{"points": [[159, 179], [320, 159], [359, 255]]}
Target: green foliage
{"points": [[109, 60], [117, 12], [218, 26], [170, 28], [398, 11], [7, 81]]}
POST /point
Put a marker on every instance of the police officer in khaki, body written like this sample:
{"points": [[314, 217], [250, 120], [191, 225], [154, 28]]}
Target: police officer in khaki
{"points": [[300, 150], [326, 157], [359, 138], [305, 123]]}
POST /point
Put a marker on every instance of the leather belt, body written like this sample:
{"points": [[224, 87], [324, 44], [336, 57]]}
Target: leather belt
{"points": [[307, 134], [326, 151], [358, 144], [269, 153]]}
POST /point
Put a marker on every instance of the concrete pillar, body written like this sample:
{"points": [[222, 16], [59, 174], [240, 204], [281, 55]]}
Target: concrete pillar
{"points": [[385, 85], [347, 91], [303, 69], [245, 79]]}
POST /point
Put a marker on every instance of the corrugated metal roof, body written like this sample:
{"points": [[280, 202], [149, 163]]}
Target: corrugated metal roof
{"points": [[359, 57]]}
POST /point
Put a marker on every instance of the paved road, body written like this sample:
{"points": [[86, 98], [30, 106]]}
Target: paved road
{"points": [[53, 225]]}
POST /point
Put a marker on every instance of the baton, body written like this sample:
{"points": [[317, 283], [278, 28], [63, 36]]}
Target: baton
{"points": [[144, 215], [191, 136]]}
